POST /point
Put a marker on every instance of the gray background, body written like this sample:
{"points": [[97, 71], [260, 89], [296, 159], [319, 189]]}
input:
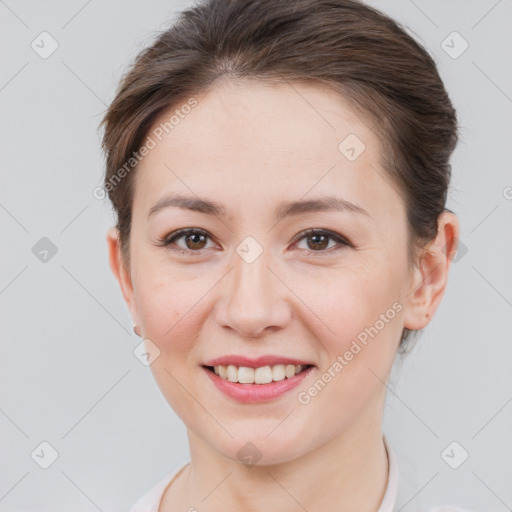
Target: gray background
{"points": [[67, 372]]}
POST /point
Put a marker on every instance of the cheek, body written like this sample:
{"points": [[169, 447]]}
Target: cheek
{"points": [[352, 305], [353, 397], [172, 308], [364, 313], [171, 314]]}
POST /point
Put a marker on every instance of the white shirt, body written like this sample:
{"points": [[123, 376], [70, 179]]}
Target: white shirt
{"points": [[150, 502]]}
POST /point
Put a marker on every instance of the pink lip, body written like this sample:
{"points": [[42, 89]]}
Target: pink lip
{"points": [[256, 393], [268, 360]]}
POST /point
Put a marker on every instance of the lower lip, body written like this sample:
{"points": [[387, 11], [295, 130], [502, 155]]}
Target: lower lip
{"points": [[256, 393]]}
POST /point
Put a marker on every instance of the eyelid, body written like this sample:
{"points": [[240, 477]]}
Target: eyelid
{"points": [[169, 239], [321, 231], [181, 233]]}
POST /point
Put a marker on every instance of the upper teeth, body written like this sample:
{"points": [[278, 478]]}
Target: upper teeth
{"points": [[262, 375]]}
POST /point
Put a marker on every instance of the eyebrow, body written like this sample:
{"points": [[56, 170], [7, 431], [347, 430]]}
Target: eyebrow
{"points": [[286, 209]]}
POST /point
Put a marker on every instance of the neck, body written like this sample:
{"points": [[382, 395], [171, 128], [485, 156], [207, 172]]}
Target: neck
{"points": [[349, 472]]}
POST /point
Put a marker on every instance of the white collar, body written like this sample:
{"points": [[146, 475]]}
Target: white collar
{"points": [[389, 500]]}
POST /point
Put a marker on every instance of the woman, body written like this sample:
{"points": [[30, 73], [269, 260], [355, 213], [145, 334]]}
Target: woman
{"points": [[279, 172]]}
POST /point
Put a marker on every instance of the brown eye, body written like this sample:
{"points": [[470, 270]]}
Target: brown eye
{"points": [[195, 240], [318, 240]]}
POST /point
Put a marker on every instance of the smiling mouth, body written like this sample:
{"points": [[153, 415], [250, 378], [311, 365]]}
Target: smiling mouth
{"points": [[261, 375]]}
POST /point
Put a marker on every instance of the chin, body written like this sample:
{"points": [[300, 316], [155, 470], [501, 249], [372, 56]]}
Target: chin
{"points": [[257, 447]]}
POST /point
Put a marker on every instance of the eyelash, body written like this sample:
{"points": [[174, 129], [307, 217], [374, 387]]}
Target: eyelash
{"points": [[181, 233]]}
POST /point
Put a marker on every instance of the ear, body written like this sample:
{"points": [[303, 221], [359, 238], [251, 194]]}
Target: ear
{"points": [[431, 275], [121, 273]]}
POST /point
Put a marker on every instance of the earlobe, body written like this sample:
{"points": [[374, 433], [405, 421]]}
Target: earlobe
{"points": [[121, 273], [431, 275]]}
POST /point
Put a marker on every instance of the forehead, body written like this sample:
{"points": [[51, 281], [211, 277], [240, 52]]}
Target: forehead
{"points": [[251, 117], [263, 139]]}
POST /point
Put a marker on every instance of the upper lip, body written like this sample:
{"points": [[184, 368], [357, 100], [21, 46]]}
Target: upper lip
{"points": [[256, 362]]}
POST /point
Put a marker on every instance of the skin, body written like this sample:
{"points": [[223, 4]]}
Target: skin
{"points": [[250, 146]]}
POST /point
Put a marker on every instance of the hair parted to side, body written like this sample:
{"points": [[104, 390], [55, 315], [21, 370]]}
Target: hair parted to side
{"points": [[386, 76]]}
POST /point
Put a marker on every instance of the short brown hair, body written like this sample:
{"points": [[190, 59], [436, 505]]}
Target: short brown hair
{"points": [[346, 45]]}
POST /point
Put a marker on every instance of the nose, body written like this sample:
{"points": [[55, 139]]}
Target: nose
{"points": [[254, 299]]}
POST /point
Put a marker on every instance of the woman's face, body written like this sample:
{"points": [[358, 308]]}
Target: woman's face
{"points": [[250, 286]]}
